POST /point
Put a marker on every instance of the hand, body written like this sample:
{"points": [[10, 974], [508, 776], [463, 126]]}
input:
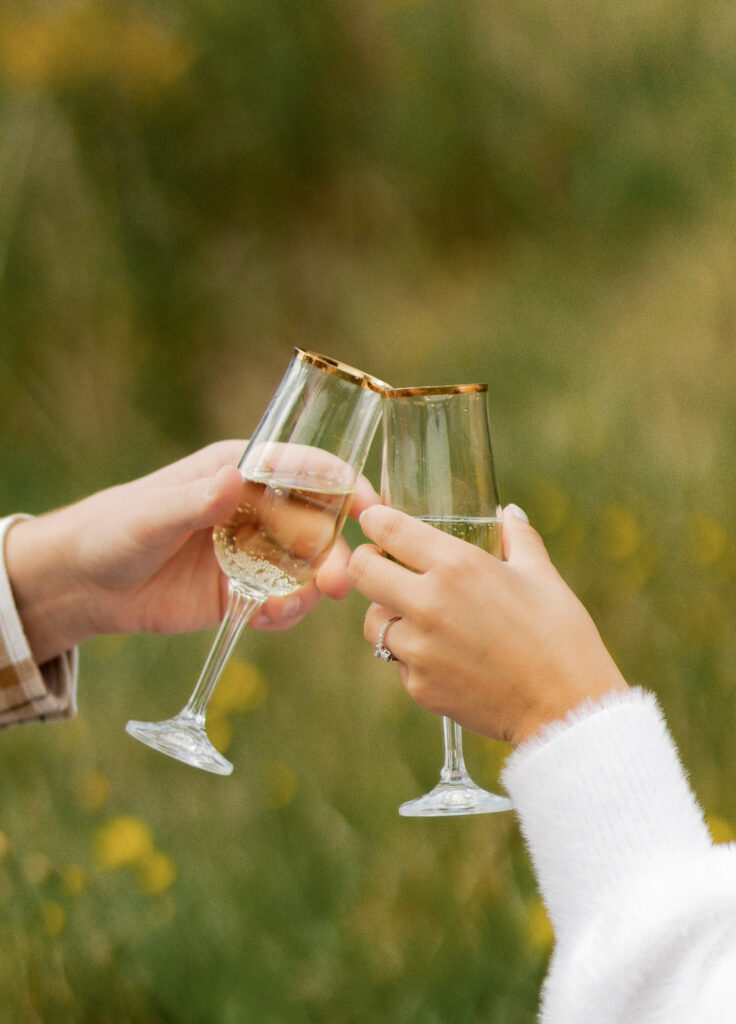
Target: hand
{"points": [[503, 647], [140, 557]]}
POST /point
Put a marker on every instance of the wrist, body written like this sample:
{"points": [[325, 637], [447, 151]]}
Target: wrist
{"points": [[48, 596], [563, 702]]}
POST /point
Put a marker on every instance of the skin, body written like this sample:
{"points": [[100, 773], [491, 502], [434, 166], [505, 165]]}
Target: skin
{"points": [[503, 647], [139, 557]]}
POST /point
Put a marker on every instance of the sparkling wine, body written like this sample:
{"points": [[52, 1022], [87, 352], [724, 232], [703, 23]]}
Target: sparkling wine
{"points": [[280, 533], [484, 531]]}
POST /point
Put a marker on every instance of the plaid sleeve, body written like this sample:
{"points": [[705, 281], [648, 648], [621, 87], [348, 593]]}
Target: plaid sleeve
{"points": [[29, 693]]}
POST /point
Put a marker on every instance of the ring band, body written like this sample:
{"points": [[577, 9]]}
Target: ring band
{"points": [[382, 650]]}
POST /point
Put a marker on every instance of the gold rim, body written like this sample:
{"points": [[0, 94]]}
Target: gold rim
{"points": [[439, 391], [330, 365]]}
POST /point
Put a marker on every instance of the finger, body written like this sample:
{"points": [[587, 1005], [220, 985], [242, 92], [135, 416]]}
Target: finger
{"points": [[381, 580], [288, 460], [203, 463], [377, 617], [332, 576], [409, 540], [331, 579], [365, 495], [521, 542], [279, 613]]}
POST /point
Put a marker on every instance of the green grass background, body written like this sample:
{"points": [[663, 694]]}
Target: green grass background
{"points": [[540, 196]]}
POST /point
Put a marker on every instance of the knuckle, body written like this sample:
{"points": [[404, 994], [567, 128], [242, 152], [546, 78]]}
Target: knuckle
{"points": [[416, 688], [358, 563], [367, 630], [375, 616], [146, 534], [427, 604], [418, 651], [466, 558], [388, 532], [424, 692]]}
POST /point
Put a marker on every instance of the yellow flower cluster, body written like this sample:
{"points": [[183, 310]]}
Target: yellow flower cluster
{"points": [[720, 829], [539, 927], [240, 689], [126, 841], [93, 791], [76, 42], [53, 914], [625, 544], [709, 545]]}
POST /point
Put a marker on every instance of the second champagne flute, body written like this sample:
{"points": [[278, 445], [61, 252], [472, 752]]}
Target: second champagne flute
{"points": [[299, 473], [438, 467]]}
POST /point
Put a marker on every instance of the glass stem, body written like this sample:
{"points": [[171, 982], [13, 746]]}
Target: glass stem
{"points": [[454, 766], [240, 608]]}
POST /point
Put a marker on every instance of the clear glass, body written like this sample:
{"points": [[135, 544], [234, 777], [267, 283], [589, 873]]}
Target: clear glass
{"points": [[438, 467], [299, 472]]}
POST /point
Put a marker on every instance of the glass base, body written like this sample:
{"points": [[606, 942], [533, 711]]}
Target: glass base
{"points": [[184, 738], [459, 796]]}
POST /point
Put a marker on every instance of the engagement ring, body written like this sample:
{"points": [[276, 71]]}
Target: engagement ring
{"points": [[382, 650]]}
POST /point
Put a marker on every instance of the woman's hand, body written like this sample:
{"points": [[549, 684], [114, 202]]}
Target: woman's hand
{"points": [[140, 557], [503, 647]]}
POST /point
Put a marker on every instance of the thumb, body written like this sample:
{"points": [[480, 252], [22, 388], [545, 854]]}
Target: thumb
{"points": [[521, 542], [365, 495], [199, 504]]}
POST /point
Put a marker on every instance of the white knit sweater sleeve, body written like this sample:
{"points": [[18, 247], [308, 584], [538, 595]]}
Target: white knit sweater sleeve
{"points": [[642, 903]]}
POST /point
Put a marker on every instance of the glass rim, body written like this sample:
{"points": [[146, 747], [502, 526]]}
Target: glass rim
{"points": [[334, 366], [438, 390]]}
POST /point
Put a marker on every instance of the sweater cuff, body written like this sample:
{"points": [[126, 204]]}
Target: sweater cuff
{"points": [[29, 692], [600, 797]]}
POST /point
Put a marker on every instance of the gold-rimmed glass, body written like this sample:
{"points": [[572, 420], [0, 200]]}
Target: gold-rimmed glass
{"points": [[299, 472], [438, 467]]}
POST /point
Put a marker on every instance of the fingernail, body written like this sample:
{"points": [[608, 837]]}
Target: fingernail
{"points": [[292, 608], [518, 512], [211, 488]]}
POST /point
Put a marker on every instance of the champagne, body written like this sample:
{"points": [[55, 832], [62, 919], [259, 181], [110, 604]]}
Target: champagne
{"points": [[281, 532], [483, 531]]}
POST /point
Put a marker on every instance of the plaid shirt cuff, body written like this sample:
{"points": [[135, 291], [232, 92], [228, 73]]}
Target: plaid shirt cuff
{"points": [[29, 693]]}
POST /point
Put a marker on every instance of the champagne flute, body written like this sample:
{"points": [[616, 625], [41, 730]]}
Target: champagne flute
{"points": [[438, 467], [299, 472]]}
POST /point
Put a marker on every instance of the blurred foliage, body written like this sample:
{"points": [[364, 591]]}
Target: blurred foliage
{"points": [[537, 195]]}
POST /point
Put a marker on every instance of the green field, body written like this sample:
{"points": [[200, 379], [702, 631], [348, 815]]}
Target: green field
{"points": [[540, 196]]}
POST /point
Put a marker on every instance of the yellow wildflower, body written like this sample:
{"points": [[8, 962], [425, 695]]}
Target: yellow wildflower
{"points": [[539, 928], [241, 688], [622, 534], [73, 43], [122, 840], [720, 829], [74, 879], [219, 731], [707, 540], [156, 872]]}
